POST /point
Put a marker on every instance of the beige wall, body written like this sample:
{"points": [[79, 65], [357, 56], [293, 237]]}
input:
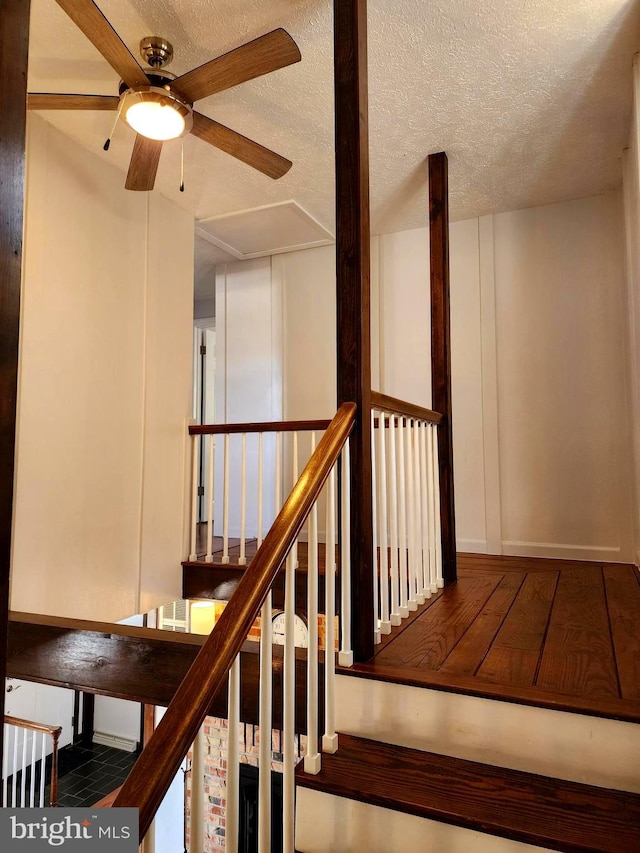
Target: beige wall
{"points": [[105, 376], [631, 182]]}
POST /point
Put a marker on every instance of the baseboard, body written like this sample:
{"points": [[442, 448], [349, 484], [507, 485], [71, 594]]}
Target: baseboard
{"points": [[472, 546], [115, 741], [561, 551]]}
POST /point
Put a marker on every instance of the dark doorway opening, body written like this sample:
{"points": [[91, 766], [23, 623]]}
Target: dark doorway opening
{"points": [[248, 835]]}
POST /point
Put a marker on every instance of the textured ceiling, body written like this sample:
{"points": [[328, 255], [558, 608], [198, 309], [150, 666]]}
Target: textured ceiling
{"points": [[531, 100]]}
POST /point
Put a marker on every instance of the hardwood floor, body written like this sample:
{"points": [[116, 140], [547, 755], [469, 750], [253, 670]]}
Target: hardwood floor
{"points": [[556, 633]]}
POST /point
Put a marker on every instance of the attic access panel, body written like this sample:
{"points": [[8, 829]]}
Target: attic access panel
{"points": [[268, 230]]}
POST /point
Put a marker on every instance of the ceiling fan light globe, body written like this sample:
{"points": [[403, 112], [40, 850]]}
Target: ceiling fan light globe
{"points": [[155, 121], [156, 113]]}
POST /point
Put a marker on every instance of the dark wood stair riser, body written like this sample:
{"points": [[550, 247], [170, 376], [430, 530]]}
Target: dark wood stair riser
{"points": [[551, 813]]}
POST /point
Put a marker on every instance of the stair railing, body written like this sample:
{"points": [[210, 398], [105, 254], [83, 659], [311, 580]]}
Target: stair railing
{"points": [[218, 662], [25, 760], [239, 474], [406, 508]]}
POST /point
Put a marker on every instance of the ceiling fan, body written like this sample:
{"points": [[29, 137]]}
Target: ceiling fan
{"points": [[159, 106]]}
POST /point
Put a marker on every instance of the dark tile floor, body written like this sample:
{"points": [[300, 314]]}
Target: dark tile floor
{"points": [[86, 774]]}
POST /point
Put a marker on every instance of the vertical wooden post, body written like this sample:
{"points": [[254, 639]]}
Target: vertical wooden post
{"points": [[14, 43], [353, 295], [441, 352]]}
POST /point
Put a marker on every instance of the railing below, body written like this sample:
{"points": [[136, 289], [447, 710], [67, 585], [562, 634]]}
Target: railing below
{"points": [[25, 762], [239, 475], [219, 656], [406, 509]]}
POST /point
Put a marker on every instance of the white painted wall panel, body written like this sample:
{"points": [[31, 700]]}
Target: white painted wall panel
{"points": [[466, 382], [168, 360], [79, 488], [248, 378], [309, 332], [560, 380], [404, 316]]}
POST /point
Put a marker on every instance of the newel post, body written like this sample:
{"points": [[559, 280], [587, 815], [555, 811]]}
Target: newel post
{"points": [[441, 352], [14, 43], [353, 295]]}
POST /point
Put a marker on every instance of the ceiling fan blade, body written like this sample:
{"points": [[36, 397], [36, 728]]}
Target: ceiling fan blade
{"points": [[251, 153], [86, 15], [265, 54], [144, 164], [42, 101]]}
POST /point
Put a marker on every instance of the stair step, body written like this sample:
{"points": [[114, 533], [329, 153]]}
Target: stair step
{"points": [[540, 810]]}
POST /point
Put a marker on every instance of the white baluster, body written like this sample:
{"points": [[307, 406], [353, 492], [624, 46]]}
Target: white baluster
{"points": [[5, 762], [211, 499], [233, 760], [411, 517], [42, 774], [312, 758], [424, 504], [197, 817], [374, 518], [433, 569], [23, 778], [385, 621], [408, 596], [396, 614], [330, 737], [346, 653], [242, 559], [225, 503], [437, 510], [260, 487], [195, 447], [34, 759], [423, 582], [295, 473], [278, 473], [289, 721], [266, 725], [14, 787]]}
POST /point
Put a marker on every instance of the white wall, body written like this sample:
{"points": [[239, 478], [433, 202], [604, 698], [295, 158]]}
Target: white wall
{"points": [[105, 377], [541, 439], [541, 429], [631, 183], [248, 378]]}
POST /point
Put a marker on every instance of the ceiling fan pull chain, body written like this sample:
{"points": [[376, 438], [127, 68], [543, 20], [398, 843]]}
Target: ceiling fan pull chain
{"points": [[182, 165], [113, 129]]}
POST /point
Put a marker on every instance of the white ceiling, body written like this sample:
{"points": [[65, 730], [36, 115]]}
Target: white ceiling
{"points": [[530, 99]]}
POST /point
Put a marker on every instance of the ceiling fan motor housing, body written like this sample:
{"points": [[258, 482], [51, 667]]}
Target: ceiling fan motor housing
{"points": [[156, 51]]}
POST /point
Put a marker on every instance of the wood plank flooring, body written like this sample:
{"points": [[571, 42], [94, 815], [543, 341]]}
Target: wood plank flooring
{"points": [[557, 633]]}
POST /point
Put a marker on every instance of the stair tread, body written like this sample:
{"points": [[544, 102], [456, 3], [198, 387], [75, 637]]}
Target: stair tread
{"points": [[552, 813]]}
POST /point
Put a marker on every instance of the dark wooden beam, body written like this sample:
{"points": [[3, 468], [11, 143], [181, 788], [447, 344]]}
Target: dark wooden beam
{"points": [[14, 49], [219, 581], [88, 719], [139, 664], [353, 295], [441, 352]]}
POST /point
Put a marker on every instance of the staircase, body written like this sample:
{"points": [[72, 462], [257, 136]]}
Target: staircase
{"points": [[432, 771]]}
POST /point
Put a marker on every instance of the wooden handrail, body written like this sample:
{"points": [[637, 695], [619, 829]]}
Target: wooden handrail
{"points": [[264, 426], [401, 407], [160, 760], [43, 728]]}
